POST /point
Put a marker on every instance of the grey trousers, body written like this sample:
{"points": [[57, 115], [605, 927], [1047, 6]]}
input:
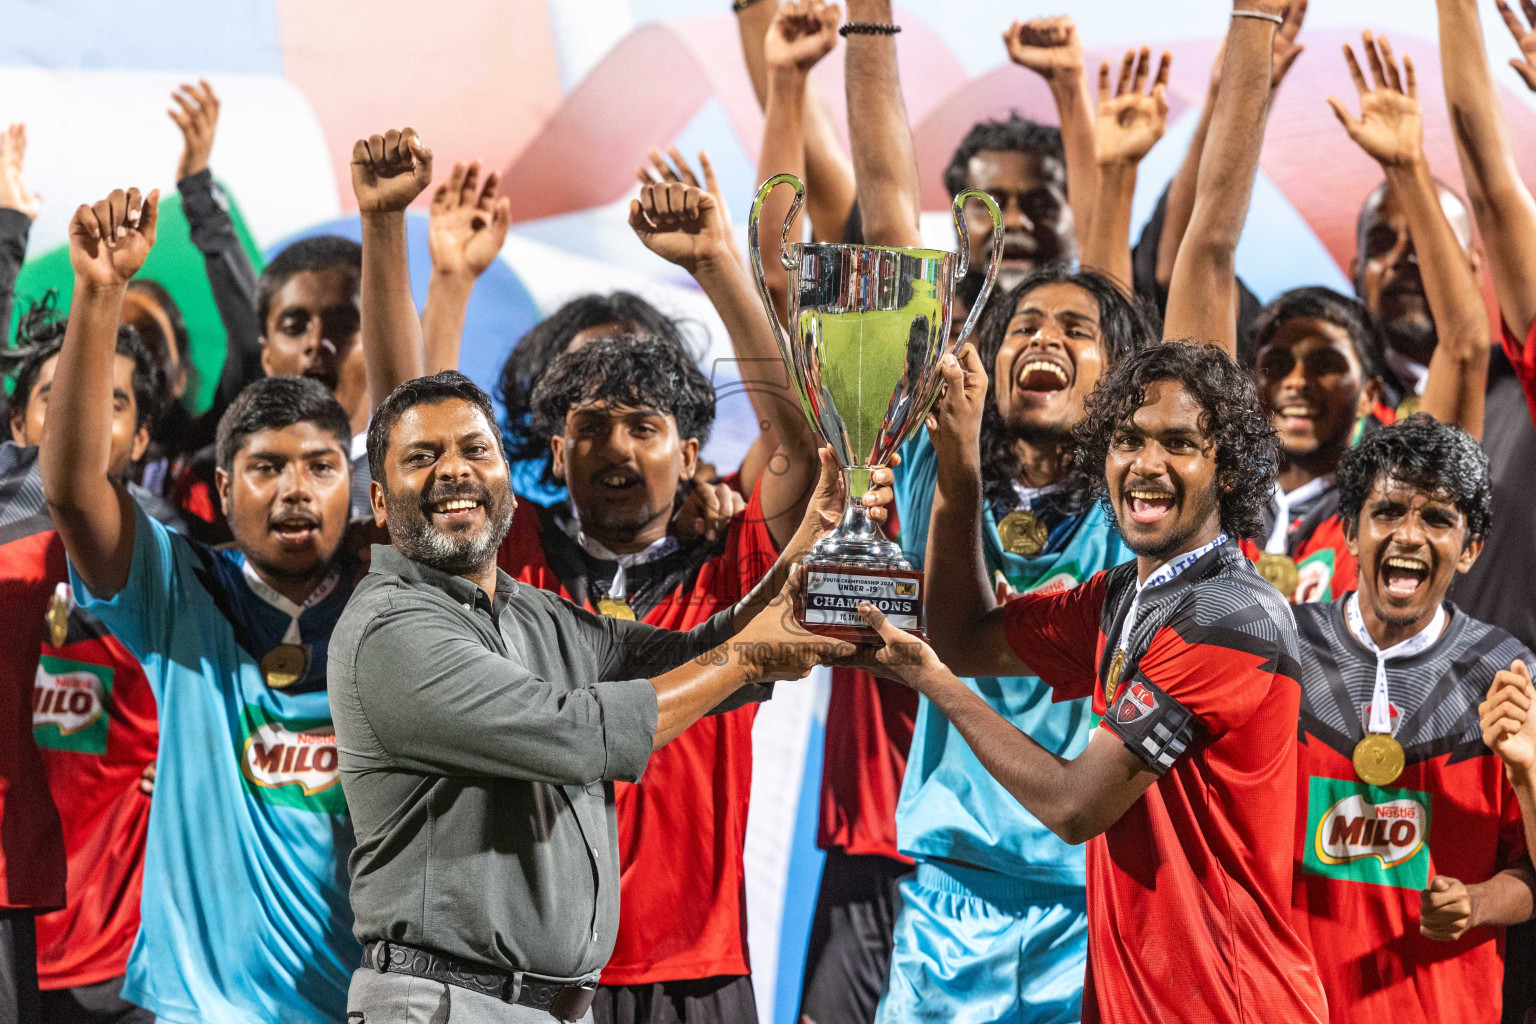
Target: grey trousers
{"points": [[375, 998]]}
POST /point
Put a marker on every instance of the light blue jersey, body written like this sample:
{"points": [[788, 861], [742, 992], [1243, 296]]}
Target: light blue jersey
{"points": [[245, 910], [950, 806]]}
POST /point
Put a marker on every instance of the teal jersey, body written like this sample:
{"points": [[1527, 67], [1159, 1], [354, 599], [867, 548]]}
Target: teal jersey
{"points": [[950, 806], [245, 910]]}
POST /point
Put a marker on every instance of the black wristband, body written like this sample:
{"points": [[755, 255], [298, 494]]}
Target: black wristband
{"points": [[737, 6], [867, 28]]}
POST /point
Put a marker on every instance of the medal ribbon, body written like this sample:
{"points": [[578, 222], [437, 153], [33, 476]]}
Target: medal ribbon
{"points": [[1161, 575], [287, 607], [618, 590], [1027, 495], [1284, 501], [1381, 702]]}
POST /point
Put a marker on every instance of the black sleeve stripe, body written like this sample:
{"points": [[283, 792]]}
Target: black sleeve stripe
{"points": [[1151, 724]]}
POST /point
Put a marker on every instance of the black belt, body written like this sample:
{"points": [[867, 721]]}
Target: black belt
{"points": [[563, 1000]]}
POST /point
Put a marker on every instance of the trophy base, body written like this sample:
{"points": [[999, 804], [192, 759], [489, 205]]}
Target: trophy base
{"points": [[828, 601]]}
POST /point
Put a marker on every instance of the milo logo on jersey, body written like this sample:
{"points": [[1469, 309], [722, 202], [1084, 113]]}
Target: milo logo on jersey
{"points": [[1371, 834], [1314, 578], [69, 705], [291, 761]]}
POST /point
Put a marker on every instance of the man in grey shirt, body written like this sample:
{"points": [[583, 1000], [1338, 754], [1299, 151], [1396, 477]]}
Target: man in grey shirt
{"points": [[481, 723]]}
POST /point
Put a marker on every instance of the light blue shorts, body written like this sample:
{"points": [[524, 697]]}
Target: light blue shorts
{"points": [[976, 947]]}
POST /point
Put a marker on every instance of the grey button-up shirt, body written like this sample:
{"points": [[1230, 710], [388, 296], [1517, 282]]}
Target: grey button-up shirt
{"points": [[479, 741]]}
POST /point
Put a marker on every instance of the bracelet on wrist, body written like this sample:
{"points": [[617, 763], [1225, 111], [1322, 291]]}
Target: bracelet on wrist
{"points": [[868, 28], [737, 6], [1259, 15]]}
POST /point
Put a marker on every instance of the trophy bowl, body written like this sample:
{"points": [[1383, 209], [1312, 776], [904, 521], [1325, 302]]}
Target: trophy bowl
{"points": [[868, 326]]}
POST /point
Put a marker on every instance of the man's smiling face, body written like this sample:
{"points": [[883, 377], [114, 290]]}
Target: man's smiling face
{"points": [[1162, 476], [1411, 544], [1051, 357]]}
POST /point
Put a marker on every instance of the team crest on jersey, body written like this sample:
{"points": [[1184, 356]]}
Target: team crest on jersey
{"points": [[1135, 703], [291, 761], [1314, 581], [69, 705], [1371, 834]]}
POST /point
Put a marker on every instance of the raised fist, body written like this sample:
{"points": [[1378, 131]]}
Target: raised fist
{"points": [[681, 224], [389, 171], [1047, 46], [801, 33], [109, 241], [469, 224]]}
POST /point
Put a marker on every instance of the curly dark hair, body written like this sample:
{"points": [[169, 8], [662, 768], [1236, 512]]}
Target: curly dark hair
{"points": [[1319, 303], [547, 341], [643, 372], [1125, 324], [1419, 451], [1012, 134], [1247, 450], [40, 336]]}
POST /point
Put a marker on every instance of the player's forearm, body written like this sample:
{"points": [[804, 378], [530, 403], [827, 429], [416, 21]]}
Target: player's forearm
{"points": [[1501, 202], [884, 161], [1505, 899], [1200, 299], [752, 24], [783, 152], [960, 595], [1524, 785], [1458, 370], [393, 350], [1074, 112], [1181, 196], [829, 187], [1107, 246], [76, 454], [442, 319]]}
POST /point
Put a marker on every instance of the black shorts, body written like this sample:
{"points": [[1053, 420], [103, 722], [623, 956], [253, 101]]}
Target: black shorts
{"points": [[1520, 974], [18, 967], [849, 957], [101, 1003], [727, 999]]}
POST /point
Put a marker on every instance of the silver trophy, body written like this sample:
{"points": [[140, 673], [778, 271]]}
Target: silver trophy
{"points": [[867, 327]]}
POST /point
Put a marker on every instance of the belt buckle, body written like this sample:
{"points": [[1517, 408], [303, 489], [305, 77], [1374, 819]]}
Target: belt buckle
{"points": [[381, 956], [512, 987]]}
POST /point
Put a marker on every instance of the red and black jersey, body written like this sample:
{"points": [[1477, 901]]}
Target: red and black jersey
{"points": [[682, 828], [84, 729], [1189, 892], [1364, 853], [1315, 541]]}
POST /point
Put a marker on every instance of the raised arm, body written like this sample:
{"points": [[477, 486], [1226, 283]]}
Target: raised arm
{"points": [[798, 37], [965, 623], [1128, 124], [682, 224], [1391, 131], [1501, 203], [231, 277], [1509, 730], [884, 161], [1051, 48], [468, 228], [388, 172], [1202, 296], [108, 243], [1181, 191], [19, 207]]}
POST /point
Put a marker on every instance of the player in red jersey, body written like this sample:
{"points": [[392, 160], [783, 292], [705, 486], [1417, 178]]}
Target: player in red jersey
{"points": [[78, 693], [1319, 366], [1410, 857], [1191, 661]]}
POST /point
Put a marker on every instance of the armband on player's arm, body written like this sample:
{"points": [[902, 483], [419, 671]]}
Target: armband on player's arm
{"points": [[1154, 726]]}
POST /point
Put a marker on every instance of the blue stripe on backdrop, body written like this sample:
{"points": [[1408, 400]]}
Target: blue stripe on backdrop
{"points": [[800, 884]]}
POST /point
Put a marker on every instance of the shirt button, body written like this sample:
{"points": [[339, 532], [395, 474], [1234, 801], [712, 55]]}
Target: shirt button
{"points": [[594, 934]]}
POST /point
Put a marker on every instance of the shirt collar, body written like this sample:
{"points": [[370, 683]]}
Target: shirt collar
{"points": [[1414, 375], [359, 445], [385, 559]]}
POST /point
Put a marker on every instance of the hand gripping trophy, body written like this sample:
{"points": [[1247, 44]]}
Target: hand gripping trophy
{"points": [[867, 327]]}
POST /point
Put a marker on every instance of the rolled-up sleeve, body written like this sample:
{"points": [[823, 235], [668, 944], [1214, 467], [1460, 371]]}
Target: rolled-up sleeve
{"points": [[439, 701]]}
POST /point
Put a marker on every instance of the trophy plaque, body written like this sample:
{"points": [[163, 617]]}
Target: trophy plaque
{"points": [[867, 327]]}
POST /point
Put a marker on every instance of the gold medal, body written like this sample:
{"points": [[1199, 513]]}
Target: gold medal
{"points": [[1022, 533], [1111, 681], [1280, 570], [615, 608], [1407, 407], [57, 617], [284, 665], [1379, 759]]}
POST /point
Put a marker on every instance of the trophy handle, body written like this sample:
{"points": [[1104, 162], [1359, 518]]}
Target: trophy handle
{"points": [[963, 262]]}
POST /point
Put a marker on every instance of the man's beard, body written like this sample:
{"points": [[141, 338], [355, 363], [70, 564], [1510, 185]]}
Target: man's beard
{"points": [[1412, 337], [1175, 542], [620, 527], [412, 532]]}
